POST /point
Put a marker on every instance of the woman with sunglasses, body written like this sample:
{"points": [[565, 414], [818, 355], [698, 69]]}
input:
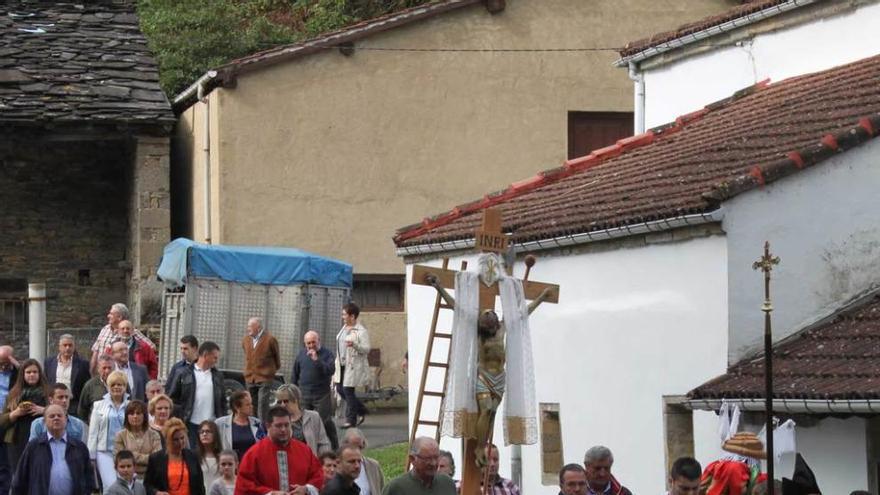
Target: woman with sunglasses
{"points": [[306, 426]]}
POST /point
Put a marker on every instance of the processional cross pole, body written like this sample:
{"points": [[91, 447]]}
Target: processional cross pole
{"points": [[489, 238], [765, 264]]}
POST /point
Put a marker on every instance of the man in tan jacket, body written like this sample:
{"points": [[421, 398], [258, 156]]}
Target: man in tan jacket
{"points": [[262, 359]]}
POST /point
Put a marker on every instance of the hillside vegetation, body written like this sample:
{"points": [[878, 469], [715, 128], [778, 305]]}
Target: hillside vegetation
{"points": [[189, 37]]}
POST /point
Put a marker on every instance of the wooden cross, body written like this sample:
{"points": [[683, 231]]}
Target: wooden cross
{"points": [[488, 239]]}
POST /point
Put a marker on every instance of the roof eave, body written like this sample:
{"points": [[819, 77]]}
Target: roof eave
{"points": [[792, 406], [688, 39], [714, 216]]}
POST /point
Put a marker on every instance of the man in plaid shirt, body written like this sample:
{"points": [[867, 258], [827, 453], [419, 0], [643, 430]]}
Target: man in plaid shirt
{"points": [[499, 485], [118, 312]]}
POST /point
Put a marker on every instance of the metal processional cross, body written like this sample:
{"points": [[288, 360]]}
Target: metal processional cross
{"points": [[765, 264]]}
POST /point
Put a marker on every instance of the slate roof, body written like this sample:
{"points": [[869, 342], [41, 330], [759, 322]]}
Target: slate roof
{"points": [[227, 73], [836, 360], [77, 62], [690, 166], [684, 30]]}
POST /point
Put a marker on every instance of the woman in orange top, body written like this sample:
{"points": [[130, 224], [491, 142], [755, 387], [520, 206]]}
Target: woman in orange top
{"points": [[175, 470]]}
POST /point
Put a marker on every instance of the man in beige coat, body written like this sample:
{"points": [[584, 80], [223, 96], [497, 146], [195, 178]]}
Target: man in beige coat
{"points": [[370, 480], [262, 358]]}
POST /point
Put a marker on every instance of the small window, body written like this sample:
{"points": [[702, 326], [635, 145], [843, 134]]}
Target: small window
{"points": [[588, 131], [551, 443], [378, 292]]}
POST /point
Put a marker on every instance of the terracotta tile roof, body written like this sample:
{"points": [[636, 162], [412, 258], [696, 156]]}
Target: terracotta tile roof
{"points": [[737, 12], [227, 73], [77, 62], [690, 166], [839, 359]]}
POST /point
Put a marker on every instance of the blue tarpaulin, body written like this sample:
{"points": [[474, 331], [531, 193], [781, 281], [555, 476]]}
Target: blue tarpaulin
{"points": [[249, 264]]}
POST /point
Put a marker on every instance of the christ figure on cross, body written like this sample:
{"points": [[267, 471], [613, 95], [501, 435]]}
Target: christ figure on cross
{"points": [[487, 373]]}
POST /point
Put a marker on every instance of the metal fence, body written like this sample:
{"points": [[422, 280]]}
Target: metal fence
{"points": [[217, 310]]}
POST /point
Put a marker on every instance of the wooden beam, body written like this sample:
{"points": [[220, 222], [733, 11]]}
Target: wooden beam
{"points": [[447, 280]]}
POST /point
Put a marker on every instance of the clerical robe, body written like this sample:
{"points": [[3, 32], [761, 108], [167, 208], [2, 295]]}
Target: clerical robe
{"points": [[258, 473]]}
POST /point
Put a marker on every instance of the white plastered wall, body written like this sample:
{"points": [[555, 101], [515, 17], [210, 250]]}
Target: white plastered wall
{"points": [[632, 325], [689, 84]]}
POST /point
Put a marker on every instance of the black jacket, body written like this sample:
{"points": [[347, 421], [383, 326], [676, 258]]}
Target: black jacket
{"points": [[156, 477], [183, 393], [336, 486], [35, 466], [79, 375]]}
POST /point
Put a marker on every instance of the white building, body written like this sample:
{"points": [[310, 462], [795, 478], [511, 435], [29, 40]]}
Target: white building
{"points": [[652, 242]]}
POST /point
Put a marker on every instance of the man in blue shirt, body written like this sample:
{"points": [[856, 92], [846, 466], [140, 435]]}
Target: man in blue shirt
{"points": [[312, 372], [60, 397], [8, 372], [54, 464]]}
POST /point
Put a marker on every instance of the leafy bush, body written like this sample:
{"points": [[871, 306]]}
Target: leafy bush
{"points": [[188, 37]]}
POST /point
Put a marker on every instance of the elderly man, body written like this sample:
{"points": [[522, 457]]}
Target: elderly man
{"points": [[60, 396], [198, 392], [262, 358], [54, 463], [600, 481], [347, 470], [446, 464], [312, 372], [189, 352], [8, 373], [423, 478], [135, 373], [68, 368], [684, 477], [107, 335], [277, 464], [140, 350], [95, 388], [497, 484], [572, 480], [370, 479]]}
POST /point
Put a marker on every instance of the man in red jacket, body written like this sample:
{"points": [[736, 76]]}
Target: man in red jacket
{"points": [[278, 464]]}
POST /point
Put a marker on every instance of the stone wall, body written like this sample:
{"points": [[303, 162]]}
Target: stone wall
{"points": [[65, 222]]}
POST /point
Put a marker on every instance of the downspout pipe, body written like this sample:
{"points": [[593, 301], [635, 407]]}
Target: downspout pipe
{"points": [[638, 79], [206, 151]]}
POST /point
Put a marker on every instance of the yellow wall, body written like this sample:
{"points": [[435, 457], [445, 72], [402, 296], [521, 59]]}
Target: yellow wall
{"points": [[332, 153]]}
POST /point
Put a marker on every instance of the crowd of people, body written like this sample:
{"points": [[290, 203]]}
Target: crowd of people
{"points": [[72, 426]]}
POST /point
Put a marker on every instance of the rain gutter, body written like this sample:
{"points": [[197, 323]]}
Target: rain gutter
{"points": [[792, 406], [196, 90], [713, 216], [730, 25]]}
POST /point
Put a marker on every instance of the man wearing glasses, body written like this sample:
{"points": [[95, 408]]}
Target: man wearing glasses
{"points": [[279, 465], [423, 478]]}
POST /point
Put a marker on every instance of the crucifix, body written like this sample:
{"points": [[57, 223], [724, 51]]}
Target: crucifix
{"points": [[765, 264], [490, 338]]}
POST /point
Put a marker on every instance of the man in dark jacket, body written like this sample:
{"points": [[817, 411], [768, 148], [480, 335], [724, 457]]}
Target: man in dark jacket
{"points": [[54, 463], [312, 373], [347, 470], [198, 392], [68, 368], [189, 352], [136, 374]]}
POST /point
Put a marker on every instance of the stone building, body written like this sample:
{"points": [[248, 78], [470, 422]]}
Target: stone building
{"points": [[329, 144], [84, 146]]}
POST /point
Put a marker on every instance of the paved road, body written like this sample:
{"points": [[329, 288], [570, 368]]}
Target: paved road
{"points": [[384, 428]]}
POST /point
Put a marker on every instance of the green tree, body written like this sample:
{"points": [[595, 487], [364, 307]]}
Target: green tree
{"points": [[189, 37]]}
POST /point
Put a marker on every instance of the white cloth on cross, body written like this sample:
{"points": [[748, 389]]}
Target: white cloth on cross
{"points": [[460, 405]]}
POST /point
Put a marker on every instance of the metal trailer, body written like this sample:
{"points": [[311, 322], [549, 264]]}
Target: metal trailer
{"points": [[216, 309]]}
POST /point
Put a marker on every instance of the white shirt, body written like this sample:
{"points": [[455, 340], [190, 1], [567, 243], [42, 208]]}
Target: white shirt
{"points": [[363, 482], [256, 339], [62, 372], [203, 404]]}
